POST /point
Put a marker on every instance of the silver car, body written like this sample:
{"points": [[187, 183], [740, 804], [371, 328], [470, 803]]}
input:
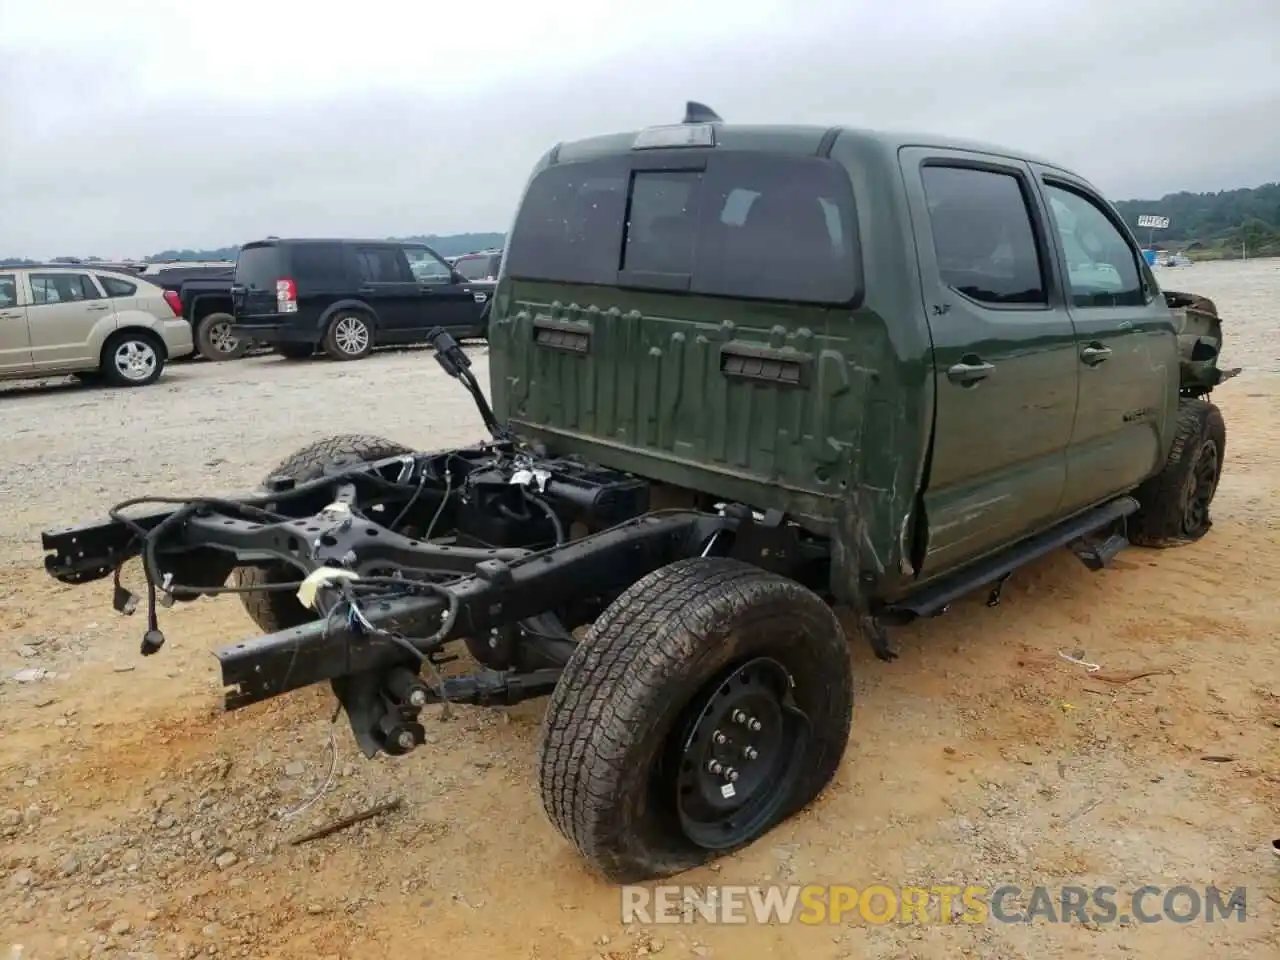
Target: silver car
{"points": [[95, 324]]}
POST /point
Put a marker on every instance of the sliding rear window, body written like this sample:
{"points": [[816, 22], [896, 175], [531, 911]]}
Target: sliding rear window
{"points": [[751, 225]]}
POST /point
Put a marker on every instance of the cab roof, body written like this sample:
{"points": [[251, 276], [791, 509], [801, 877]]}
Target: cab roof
{"points": [[811, 140]]}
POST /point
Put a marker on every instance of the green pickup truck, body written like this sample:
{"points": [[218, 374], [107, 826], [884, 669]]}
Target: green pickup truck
{"points": [[738, 375]]}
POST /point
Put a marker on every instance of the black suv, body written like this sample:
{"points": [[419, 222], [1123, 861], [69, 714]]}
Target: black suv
{"points": [[347, 296]]}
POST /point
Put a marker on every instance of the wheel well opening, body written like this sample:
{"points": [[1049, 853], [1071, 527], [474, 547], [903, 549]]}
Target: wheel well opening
{"points": [[207, 306]]}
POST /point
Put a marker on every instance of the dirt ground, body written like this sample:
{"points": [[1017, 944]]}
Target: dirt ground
{"points": [[138, 819]]}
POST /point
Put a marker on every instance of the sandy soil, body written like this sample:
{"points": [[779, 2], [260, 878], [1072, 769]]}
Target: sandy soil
{"points": [[139, 820]]}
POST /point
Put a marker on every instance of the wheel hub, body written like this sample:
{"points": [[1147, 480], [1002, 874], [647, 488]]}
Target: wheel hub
{"points": [[135, 360], [221, 338], [352, 335], [744, 737]]}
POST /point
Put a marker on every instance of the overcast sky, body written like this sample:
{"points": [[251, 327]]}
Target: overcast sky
{"points": [[130, 127]]}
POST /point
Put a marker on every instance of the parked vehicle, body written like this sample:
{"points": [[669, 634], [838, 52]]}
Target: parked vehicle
{"points": [[737, 373], [205, 293], [483, 265], [347, 296], [57, 319]]}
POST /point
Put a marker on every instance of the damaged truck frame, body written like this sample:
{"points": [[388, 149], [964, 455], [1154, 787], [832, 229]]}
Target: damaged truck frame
{"points": [[858, 392]]}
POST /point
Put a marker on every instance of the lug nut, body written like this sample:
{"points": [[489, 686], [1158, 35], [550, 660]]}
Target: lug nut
{"points": [[715, 766], [719, 737], [406, 740], [739, 717], [753, 724], [418, 698], [750, 753], [731, 774]]}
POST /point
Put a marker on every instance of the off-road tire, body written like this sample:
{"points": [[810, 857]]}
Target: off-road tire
{"points": [[295, 351], [1163, 518], [337, 347], [206, 345], [143, 339], [634, 674], [280, 611]]}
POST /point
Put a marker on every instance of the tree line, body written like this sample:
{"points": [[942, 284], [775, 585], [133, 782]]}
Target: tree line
{"points": [[1227, 222], [1223, 224]]}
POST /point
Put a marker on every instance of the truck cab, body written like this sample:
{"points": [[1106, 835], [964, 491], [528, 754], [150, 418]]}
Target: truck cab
{"points": [[928, 350]]}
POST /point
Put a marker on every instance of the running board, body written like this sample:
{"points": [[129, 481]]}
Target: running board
{"points": [[1074, 532]]}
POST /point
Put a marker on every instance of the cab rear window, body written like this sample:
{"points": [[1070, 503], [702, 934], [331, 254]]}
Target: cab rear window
{"points": [[749, 225]]}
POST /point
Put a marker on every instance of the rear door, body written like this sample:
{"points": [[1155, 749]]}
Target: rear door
{"points": [[259, 266], [387, 285], [1004, 353], [444, 302], [692, 314], [15, 338], [1128, 346], [69, 318]]}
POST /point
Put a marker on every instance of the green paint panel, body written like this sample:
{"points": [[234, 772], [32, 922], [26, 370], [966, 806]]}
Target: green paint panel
{"points": [[699, 399]]}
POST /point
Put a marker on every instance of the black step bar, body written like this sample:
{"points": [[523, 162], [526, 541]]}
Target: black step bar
{"points": [[936, 597]]}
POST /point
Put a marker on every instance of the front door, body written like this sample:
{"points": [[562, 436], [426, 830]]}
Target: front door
{"points": [[1128, 347], [1004, 359], [68, 319], [445, 302], [15, 338], [388, 287]]}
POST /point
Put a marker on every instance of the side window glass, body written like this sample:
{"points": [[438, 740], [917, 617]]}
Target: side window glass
{"points": [[116, 287], [427, 268], [51, 288], [380, 264], [1102, 267], [982, 235], [320, 265], [8, 290]]}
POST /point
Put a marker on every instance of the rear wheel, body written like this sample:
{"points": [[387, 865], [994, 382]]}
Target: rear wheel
{"points": [[711, 701], [215, 341], [1174, 504], [349, 337], [132, 358], [280, 611]]}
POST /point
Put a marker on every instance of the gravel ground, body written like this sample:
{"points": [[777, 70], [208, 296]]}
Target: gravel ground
{"points": [[205, 428], [137, 819]]}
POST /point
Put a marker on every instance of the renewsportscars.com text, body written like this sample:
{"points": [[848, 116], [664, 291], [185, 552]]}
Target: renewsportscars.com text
{"points": [[943, 903]]}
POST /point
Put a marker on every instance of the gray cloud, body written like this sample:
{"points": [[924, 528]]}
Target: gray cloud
{"points": [[1141, 97]]}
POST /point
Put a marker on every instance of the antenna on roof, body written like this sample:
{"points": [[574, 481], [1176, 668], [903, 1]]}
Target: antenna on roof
{"points": [[695, 112]]}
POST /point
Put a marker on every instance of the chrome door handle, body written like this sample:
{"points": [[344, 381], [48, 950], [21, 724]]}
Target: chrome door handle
{"points": [[1094, 354], [970, 372], [10, 316], [100, 306]]}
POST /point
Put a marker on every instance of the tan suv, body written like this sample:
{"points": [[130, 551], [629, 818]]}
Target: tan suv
{"points": [[60, 319]]}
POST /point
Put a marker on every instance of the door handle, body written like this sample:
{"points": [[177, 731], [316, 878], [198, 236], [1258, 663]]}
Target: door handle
{"points": [[1094, 354], [10, 316], [970, 371], [100, 306]]}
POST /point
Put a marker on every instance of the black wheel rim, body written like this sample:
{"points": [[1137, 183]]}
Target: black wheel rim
{"points": [[738, 752], [1204, 483]]}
